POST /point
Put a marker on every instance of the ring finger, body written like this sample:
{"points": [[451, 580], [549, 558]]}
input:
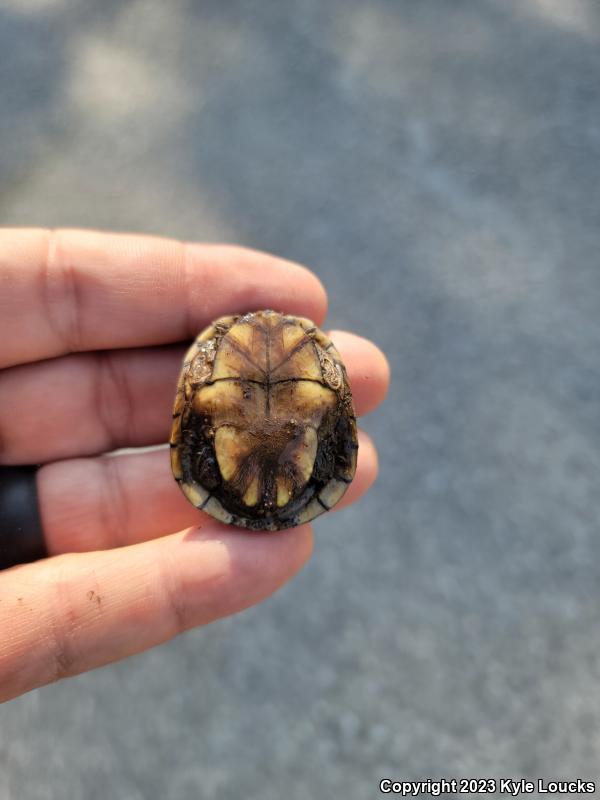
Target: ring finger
{"points": [[110, 501]]}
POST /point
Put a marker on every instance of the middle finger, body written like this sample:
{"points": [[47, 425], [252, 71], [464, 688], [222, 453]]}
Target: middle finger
{"points": [[91, 403]]}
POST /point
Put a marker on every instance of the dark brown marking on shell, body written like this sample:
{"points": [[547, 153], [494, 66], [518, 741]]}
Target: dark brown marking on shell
{"points": [[273, 463], [247, 356], [288, 357]]}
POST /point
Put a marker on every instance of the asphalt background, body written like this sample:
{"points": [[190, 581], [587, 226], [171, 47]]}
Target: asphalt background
{"points": [[437, 164]]}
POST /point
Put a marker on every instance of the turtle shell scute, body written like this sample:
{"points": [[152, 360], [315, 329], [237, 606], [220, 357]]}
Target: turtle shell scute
{"points": [[264, 432]]}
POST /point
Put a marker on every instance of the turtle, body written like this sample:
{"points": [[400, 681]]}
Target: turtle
{"points": [[264, 430]]}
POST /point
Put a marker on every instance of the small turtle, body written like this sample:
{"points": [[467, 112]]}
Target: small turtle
{"points": [[264, 431]]}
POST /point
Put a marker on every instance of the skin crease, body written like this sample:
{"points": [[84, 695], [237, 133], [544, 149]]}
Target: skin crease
{"points": [[130, 567]]}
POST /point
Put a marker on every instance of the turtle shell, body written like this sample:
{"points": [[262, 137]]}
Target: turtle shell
{"points": [[264, 430]]}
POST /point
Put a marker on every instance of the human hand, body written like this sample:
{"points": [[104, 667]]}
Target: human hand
{"points": [[92, 327]]}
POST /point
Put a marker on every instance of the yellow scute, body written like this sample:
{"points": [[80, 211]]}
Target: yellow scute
{"points": [[304, 453], [283, 493], [251, 494], [304, 363], [292, 334], [230, 402], [176, 462], [194, 493], [307, 401], [333, 492], [231, 447]]}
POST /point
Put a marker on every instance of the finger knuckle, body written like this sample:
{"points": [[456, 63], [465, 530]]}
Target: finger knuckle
{"points": [[114, 403], [175, 605], [113, 509], [62, 626], [60, 293]]}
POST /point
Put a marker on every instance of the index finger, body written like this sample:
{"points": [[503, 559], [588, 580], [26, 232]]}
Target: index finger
{"points": [[73, 290]]}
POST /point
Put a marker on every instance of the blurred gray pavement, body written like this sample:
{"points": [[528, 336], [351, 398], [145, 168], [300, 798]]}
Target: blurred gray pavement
{"points": [[438, 165]]}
